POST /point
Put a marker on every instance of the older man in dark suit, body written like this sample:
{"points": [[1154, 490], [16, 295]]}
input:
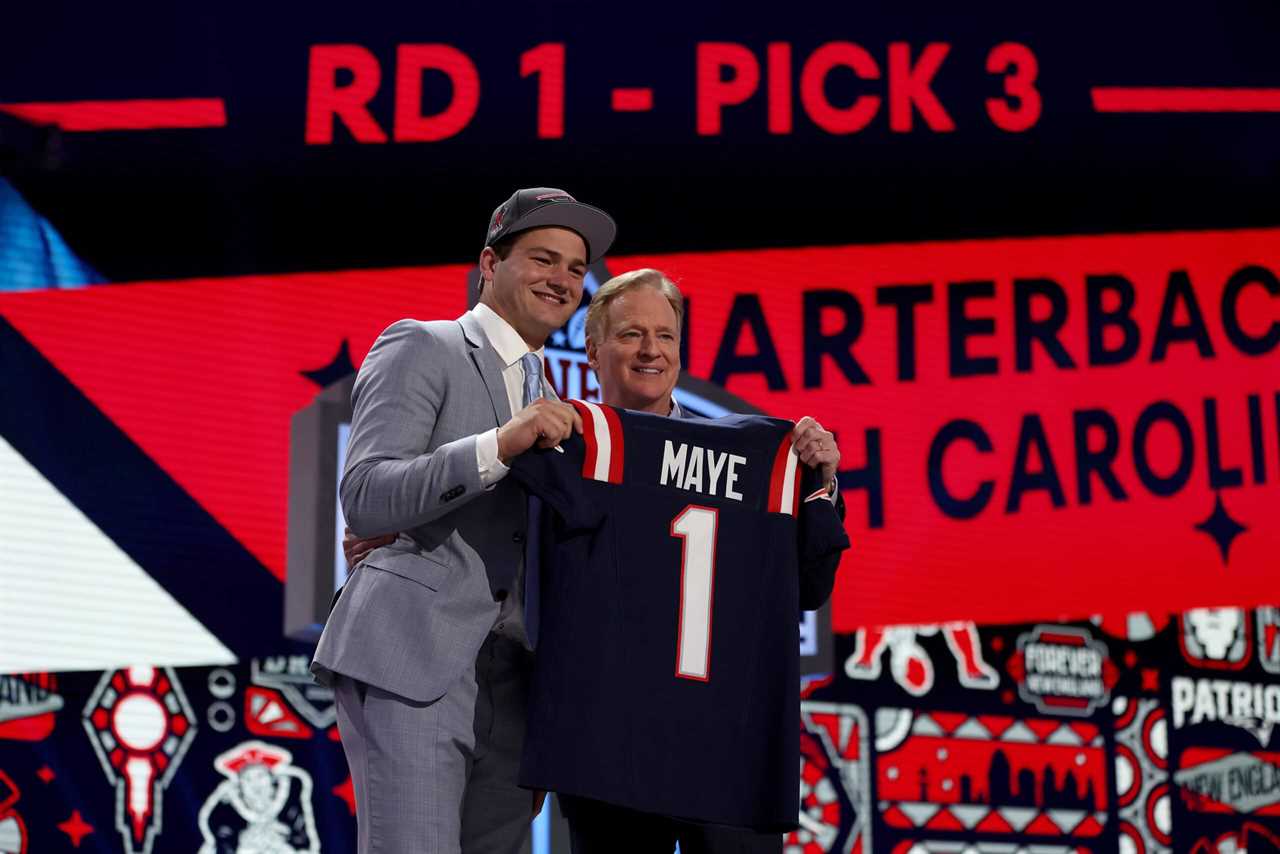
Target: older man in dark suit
{"points": [[633, 344]]}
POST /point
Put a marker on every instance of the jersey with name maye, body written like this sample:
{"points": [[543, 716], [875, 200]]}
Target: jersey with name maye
{"points": [[667, 675]]}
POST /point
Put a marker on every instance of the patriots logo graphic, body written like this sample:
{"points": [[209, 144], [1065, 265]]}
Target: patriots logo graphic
{"points": [[140, 725], [497, 220]]}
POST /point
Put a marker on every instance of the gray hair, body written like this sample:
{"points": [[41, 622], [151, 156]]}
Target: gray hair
{"points": [[598, 309]]}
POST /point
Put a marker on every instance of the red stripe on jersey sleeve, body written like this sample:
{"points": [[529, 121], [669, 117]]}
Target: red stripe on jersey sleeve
{"points": [[616, 455], [779, 473], [589, 437]]}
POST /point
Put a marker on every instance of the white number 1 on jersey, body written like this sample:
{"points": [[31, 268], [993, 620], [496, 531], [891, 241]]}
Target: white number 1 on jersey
{"points": [[696, 527]]}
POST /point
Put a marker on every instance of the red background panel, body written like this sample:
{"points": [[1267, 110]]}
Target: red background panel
{"points": [[205, 374], [1040, 562]]}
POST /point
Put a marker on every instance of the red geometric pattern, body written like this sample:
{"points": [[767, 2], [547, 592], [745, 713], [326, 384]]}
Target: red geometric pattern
{"points": [[267, 713], [951, 773], [834, 782]]}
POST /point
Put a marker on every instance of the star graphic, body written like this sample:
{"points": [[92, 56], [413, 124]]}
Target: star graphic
{"points": [[1221, 527], [347, 794], [1150, 679], [46, 775], [76, 828], [338, 368]]}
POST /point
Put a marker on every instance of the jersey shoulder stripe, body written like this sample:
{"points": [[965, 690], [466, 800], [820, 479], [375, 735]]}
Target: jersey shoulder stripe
{"points": [[602, 434], [784, 486], [616, 457]]}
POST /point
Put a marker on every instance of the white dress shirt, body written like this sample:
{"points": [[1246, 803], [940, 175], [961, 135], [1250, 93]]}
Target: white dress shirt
{"points": [[510, 348]]}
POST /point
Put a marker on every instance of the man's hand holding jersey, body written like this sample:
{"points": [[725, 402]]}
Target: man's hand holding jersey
{"points": [[817, 449], [544, 423]]}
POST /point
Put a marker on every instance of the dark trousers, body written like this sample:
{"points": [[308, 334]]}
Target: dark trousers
{"points": [[600, 828]]}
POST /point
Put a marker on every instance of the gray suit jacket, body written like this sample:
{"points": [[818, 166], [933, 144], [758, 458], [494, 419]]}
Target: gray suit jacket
{"points": [[413, 614]]}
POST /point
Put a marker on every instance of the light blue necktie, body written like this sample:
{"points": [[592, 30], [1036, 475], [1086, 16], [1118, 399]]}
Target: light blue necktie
{"points": [[532, 366]]}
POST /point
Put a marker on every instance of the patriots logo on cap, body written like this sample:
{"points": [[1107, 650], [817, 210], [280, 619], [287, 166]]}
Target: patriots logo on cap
{"points": [[497, 219]]}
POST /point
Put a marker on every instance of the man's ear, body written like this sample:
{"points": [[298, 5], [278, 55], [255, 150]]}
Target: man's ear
{"points": [[592, 350], [488, 261]]}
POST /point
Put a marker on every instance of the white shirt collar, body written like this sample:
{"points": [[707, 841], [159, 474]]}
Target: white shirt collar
{"points": [[504, 338]]}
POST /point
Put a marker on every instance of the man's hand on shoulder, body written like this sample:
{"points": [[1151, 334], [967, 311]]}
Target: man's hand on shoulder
{"points": [[816, 448], [544, 423]]}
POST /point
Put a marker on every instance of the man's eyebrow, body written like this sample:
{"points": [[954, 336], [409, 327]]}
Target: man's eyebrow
{"points": [[557, 255], [635, 324]]}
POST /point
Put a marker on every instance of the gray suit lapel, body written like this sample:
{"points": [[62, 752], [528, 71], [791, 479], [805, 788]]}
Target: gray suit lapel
{"points": [[489, 365]]}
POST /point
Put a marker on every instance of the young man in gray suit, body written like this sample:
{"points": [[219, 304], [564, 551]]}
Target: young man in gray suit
{"points": [[426, 645]]}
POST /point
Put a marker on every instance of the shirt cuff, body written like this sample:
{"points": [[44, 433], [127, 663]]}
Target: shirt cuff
{"points": [[491, 468], [825, 493]]}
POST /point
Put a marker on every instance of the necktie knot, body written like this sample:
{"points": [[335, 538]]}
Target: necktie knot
{"points": [[532, 366]]}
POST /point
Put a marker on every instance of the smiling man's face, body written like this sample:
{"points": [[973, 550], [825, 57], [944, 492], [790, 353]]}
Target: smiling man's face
{"points": [[538, 286], [637, 359]]}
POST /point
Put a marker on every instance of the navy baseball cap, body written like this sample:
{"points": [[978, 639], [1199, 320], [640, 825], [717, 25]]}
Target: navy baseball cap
{"points": [[539, 207]]}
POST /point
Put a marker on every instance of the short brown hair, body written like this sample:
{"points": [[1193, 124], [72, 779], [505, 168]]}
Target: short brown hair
{"points": [[502, 249], [598, 309]]}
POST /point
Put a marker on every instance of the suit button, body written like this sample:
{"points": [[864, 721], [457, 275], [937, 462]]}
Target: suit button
{"points": [[500, 596], [517, 537]]}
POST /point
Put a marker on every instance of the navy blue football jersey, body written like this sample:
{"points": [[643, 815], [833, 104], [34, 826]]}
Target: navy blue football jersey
{"points": [[667, 668]]}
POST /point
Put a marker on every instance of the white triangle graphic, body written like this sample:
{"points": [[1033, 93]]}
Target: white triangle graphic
{"points": [[919, 812], [1019, 732], [973, 728], [970, 814], [71, 599], [1018, 817], [1066, 819], [926, 725]]}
